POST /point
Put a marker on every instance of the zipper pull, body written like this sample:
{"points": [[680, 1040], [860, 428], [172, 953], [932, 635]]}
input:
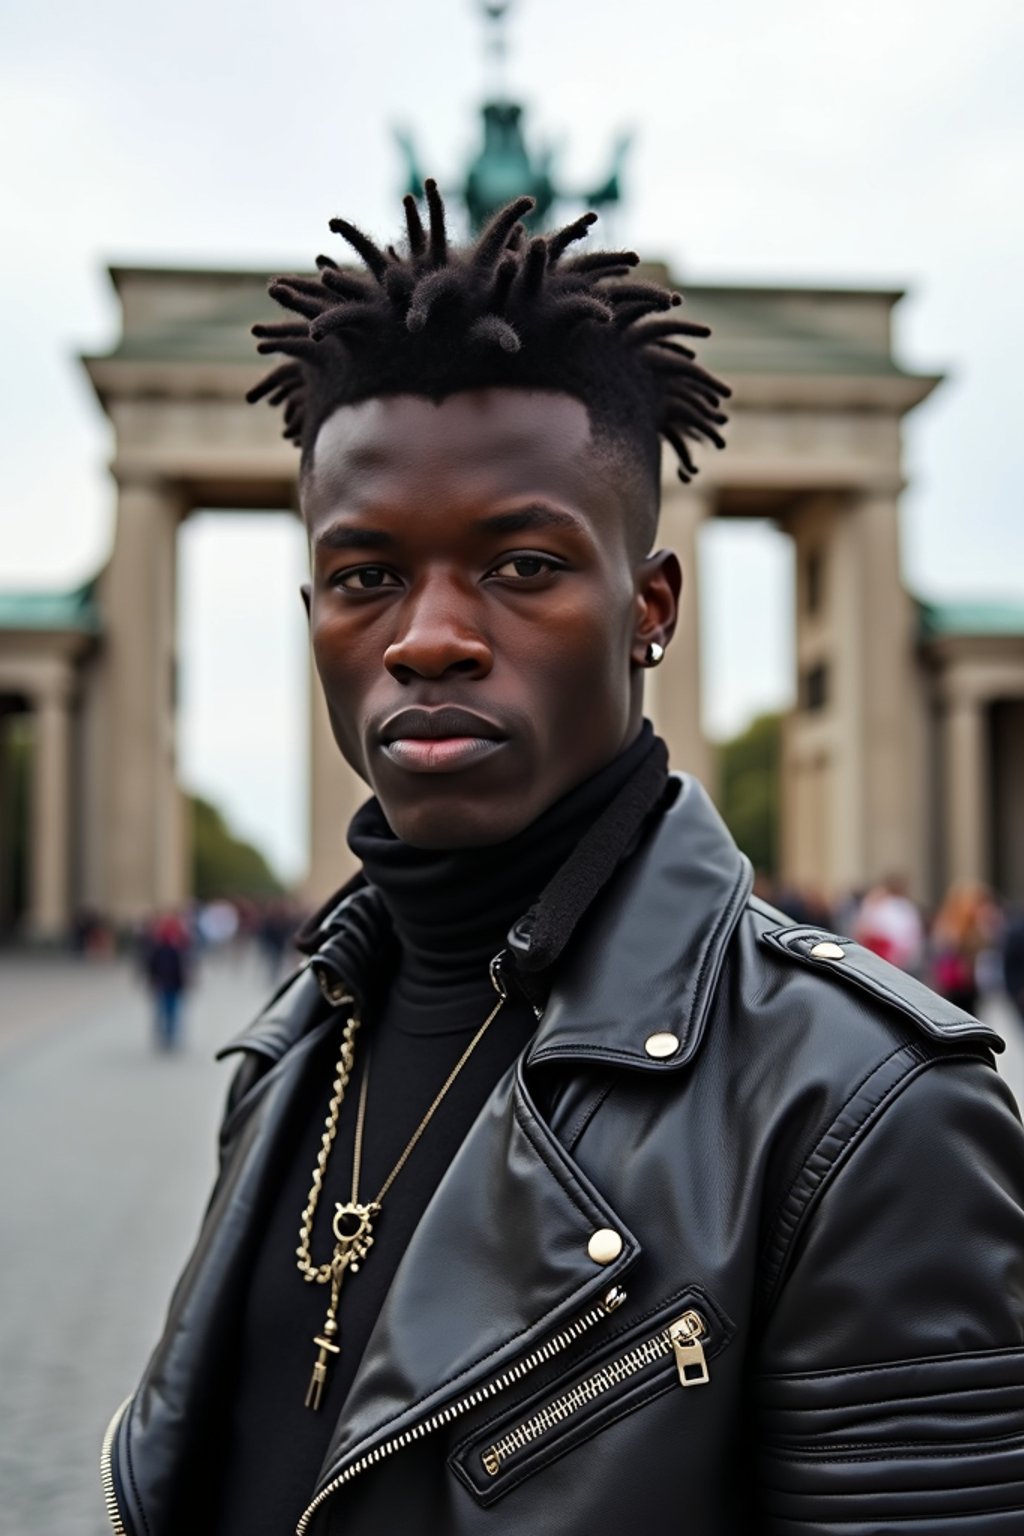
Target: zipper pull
{"points": [[691, 1363]]}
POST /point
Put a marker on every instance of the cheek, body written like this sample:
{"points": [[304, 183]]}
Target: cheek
{"points": [[604, 629], [580, 663], [332, 649], [346, 659]]}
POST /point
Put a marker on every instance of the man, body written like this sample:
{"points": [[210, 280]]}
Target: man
{"points": [[166, 963], [568, 1188]]}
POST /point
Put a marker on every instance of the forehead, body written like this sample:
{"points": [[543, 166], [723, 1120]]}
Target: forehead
{"points": [[481, 444]]}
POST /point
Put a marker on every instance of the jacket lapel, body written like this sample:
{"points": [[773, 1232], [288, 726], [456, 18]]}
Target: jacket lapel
{"points": [[498, 1262]]}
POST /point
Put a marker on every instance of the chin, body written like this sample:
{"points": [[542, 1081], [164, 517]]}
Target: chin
{"points": [[438, 826]]}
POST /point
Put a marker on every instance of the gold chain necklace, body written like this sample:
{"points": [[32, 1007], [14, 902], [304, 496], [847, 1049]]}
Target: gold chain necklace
{"points": [[353, 1222]]}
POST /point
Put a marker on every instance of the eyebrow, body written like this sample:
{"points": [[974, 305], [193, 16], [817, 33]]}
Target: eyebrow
{"points": [[345, 536], [342, 536], [526, 519]]}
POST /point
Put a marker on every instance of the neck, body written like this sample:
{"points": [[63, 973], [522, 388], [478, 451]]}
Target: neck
{"points": [[451, 910]]}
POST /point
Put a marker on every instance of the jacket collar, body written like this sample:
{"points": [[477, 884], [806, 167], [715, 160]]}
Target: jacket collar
{"points": [[643, 961], [353, 943], [648, 955]]}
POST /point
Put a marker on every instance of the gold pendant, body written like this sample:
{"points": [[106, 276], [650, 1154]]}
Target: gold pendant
{"points": [[353, 1232]]}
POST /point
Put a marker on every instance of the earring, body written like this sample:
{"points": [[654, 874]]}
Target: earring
{"points": [[653, 654]]}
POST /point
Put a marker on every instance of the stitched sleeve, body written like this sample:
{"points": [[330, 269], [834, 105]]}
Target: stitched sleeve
{"points": [[890, 1383]]}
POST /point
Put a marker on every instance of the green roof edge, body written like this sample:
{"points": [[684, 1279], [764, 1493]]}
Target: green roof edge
{"points": [[967, 617]]}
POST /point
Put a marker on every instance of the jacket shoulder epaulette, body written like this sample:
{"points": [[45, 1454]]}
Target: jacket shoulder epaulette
{"points": [[848, 964]]}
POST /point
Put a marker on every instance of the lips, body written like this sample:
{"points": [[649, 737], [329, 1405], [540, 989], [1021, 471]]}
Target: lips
{"points": [[440, 740], [445, 723]]}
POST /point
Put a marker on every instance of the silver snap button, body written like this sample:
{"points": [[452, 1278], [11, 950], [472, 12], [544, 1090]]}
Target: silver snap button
{"points": [[826, 950], [604, 1246], [661, 1045]]}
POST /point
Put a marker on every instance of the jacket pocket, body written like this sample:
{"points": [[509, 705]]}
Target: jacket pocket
{"points": [[670, 1350]]}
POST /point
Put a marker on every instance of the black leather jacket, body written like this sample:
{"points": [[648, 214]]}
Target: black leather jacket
{"points": [[808, 1317]]}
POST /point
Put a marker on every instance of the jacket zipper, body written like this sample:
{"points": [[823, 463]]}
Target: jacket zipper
{"points": [[546, 1351], [107, 1473], [682, 1338]]}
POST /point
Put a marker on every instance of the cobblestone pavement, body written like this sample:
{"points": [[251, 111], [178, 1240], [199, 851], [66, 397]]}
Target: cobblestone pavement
{"points": [[106, 1152], [106, 1157]]}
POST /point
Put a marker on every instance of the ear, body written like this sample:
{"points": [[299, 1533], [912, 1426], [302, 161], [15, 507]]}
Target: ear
{"points": [[306, 591], [659, 582]]}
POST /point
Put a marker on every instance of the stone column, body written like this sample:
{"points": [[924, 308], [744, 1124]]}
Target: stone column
{"points": [[334, 793], [843, 864], [819, 801], [893, 771], [967, 786], [142, 832], [1006, 736], [48, 915], [673, 695], [864, 637], [6, 827]]}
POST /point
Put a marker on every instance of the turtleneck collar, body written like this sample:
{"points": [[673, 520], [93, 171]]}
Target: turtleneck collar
{"points": [[452, 909]]}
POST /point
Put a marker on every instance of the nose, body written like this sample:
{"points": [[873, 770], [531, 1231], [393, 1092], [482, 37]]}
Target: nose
{"points": [[437, 636]]}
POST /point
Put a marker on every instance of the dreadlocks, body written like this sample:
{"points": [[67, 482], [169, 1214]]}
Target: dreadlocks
{"points": [[433, 320]]}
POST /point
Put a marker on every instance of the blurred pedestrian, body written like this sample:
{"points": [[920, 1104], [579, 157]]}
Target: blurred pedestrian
{"points": [[217, 923], [167, 973], [964, 926], [1013, 960], [275, 934], [889, 923]]}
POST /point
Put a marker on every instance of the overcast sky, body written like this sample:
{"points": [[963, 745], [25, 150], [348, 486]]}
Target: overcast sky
{"points": [[878, 143]]}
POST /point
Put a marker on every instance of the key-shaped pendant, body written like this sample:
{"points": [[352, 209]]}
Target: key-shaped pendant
{"points": [[325, 1339], [327, 1348]]}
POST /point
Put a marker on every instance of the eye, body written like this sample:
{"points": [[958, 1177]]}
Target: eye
{"points": [[365, 578], [525, 567]]}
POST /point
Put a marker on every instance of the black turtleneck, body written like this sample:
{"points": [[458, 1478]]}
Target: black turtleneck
{"points": [[451, 912]]}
